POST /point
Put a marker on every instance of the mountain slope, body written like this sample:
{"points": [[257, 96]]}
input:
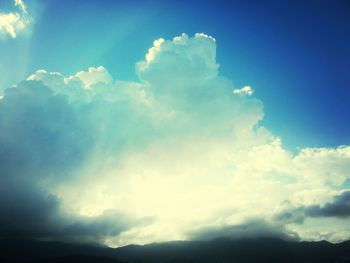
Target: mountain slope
{"points": [[220, 251]]}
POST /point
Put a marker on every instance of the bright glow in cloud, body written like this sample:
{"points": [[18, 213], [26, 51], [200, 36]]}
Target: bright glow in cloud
{"points": [[21, 5], [13, 22], [94, 76], [152, 52], [178, 152]]}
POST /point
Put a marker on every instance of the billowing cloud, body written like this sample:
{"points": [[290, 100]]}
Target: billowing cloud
{"points": [[179, 154], [246, 90], [42, 140], [13, 22]]}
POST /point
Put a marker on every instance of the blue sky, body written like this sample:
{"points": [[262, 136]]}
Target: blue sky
{"points": [[294, 53], [131, 118]]}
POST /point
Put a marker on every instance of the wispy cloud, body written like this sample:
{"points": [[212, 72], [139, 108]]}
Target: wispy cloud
{"points": [[13, 22]]}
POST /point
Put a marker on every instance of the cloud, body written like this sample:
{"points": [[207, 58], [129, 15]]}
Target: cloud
{"points": [[246, 90], [21, 5], [26, 211], [94, 229], [340, 207], [252, 228], [192, 60], [13, 22], [44, 139], [94, 76], [176, 155]]}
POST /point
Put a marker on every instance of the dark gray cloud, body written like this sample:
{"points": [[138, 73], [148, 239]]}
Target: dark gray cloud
{"points": [[35, 128], [340, 207], [26, 212], [289, 215], [40, 131], [44, 139], [95, 229], [254, 228]]}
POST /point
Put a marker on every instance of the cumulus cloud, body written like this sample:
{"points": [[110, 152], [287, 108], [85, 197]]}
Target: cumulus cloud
{"points": [[246, 90], [45, 138], [190, 59], [176, 155], [13, 22]]}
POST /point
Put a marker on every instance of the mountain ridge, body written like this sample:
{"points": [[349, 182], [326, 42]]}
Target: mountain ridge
{"points": [[218, 250]]}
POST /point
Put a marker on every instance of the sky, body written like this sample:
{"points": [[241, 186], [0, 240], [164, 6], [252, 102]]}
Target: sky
{"points": [[153, 121]]}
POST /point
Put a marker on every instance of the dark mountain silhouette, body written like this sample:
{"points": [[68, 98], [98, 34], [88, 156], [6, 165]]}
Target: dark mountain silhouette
{"points": [[215, 251]]}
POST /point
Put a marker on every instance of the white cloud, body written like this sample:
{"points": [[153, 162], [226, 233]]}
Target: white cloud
{"points": [[178, 148], [152, 52], [246, 90], [94, 76], [13, 22], [82, 86], [21, 5], [189, 59], [202, 35]]}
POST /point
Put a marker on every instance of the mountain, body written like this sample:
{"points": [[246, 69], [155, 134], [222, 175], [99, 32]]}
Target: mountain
{"points": [[245, 250], [214, 251]]}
